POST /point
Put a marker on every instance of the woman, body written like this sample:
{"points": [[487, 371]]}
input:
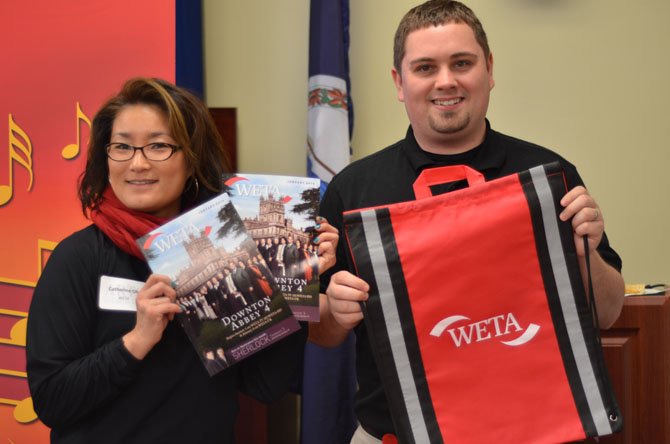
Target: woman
{"points": [[261, 281], [117, 376]]}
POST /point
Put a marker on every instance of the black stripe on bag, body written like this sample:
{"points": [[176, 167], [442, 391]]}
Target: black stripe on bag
{"points": [[553, 301], [383, 319], [406, 318], [549, 186], [374, 320], [600, 397]]}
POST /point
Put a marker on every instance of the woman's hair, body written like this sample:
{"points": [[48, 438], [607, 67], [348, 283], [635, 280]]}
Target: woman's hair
{"points": [[190, 124]]}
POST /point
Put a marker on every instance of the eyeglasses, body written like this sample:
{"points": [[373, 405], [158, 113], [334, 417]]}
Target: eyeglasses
{"points": [[157, 151]]}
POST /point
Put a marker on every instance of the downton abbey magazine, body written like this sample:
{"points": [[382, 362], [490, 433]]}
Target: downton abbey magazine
{"points": [[279, 213], [231, 306]]}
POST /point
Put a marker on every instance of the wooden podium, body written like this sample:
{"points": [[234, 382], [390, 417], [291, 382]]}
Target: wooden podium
{"points": [[637, 354]]}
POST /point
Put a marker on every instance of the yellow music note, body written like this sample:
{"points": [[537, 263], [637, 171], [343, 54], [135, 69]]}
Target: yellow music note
{"points": [[23, 408], [24, 412], [72, 150], [20, 151], [42, 247], [17, 335]]}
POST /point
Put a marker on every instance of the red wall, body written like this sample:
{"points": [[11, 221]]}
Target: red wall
{"points": [[60, 60]]}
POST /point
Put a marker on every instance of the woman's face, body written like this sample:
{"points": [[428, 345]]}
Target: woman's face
{"points": [[140, 184]]}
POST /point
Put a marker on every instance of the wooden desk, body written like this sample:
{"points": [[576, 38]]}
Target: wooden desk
{"points": [[637, 354]]}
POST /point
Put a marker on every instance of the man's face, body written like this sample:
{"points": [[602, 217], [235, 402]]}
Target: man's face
{"points": [[445, 84]]}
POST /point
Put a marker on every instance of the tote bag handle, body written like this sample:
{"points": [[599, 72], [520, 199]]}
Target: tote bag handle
{"points": [[445, 174]]}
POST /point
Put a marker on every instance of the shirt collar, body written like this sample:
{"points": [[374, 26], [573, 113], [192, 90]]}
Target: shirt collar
{"points": [[488, 155]]}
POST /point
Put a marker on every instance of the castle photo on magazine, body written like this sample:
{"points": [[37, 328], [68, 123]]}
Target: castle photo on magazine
{"points": [[231, 306], [280, 213]]}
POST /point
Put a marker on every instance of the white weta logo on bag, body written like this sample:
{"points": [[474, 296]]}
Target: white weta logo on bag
{"points": [[500, 325]]}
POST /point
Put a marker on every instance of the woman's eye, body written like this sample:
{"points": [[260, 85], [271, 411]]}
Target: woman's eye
{"points": [[159, 146]]}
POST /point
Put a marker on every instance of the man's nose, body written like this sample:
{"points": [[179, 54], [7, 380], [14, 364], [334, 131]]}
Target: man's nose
{"points": [[445, 78]]}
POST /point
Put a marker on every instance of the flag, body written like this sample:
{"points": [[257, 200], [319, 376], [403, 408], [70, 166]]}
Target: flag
{"points": [[188, 46], [329, 106], [329, 376]]}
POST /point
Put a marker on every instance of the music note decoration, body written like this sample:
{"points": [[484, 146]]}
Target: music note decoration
{"points": [[21, 152], [72, 150], [23, 408], [44, 249], [24, 412]]}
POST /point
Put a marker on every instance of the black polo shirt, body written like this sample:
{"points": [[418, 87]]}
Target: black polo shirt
{"points": [[386, 177]]}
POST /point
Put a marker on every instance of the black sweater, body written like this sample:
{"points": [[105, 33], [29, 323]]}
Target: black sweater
{"points": [[88, 388]]}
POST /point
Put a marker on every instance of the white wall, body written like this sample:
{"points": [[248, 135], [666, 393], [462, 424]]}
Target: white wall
{"points": [[583, 77]]}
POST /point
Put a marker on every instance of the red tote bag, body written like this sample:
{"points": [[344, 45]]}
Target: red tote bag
{"points": [[480, 325]]}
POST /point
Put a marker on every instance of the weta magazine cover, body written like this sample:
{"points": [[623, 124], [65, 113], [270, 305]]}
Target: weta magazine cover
{"points": [[279, 213], [231, 306]]}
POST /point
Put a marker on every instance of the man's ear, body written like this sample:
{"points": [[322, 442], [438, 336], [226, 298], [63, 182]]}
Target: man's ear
{"points": [[489, 68], [397, 80]]}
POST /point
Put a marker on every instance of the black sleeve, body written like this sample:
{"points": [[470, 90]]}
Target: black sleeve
{"points": [[268, 375], [331, 208], [608, 254], [68, 375]]}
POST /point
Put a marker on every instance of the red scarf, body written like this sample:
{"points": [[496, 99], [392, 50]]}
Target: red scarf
{"points": [[122, 224]]}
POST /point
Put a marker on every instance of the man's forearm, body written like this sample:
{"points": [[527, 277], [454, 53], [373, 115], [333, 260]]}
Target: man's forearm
{"points": [[608, 289]]}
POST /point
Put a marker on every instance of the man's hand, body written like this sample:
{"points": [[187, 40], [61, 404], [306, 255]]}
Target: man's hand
{"points": [[340, 309], [587, 218], [608, 284], [345, 293]]}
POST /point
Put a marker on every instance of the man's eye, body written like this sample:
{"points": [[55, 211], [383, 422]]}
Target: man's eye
{"points": [[463, 64], [423, 68]]}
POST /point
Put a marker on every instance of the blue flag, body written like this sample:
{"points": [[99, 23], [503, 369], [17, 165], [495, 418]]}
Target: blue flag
{"points": [[329, 104], [329, 376]]}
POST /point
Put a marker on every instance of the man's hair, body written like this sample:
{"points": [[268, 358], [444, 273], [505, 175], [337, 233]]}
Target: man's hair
{"points": [[190, 124], [436, 13]]}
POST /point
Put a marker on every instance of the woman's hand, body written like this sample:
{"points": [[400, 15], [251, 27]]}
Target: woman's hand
{"points": [[155, 308], [326, 241]]}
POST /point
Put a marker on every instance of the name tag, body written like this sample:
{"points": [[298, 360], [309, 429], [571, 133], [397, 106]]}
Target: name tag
{"points": [[118, 293]]}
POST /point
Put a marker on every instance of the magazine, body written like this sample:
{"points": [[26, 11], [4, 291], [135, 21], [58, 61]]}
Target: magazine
{"points": [[280, 214], [231, 306]]}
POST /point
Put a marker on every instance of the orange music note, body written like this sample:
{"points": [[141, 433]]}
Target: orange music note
{"points": [[20, 151], [72, 150]]}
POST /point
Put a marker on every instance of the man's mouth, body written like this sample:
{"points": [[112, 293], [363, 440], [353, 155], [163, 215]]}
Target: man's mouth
{"points": [[448, 102]]}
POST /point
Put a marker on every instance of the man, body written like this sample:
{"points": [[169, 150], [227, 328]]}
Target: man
{"points": [[235, 298], [291, 258], [242, 281], [212, 296], [272, 255], [279, 258], [443, 73]]}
